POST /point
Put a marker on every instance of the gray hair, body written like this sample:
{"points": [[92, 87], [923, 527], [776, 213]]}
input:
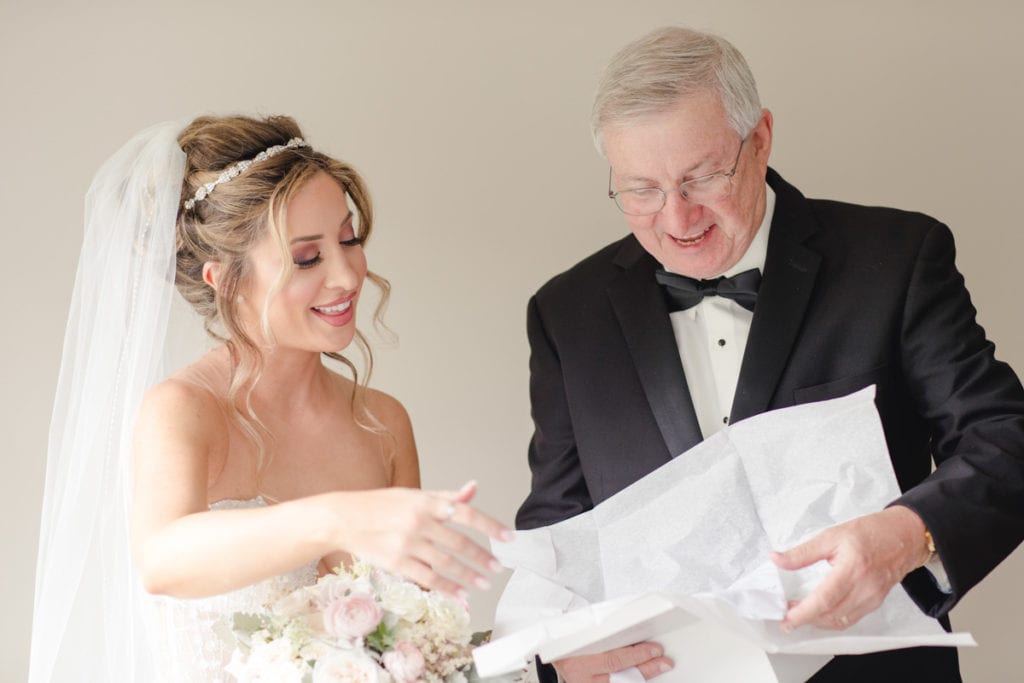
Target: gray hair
{"points": [[651, 74]]}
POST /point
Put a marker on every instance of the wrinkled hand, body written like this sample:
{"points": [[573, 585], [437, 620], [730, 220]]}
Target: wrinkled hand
{"points": [[869, 555], [647, 657], [406, 531]]}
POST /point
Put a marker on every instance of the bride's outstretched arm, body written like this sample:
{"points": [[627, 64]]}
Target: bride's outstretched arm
{"points": [[186, 550]]}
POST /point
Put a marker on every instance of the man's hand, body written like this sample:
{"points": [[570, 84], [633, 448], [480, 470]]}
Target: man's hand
{"points": [[869, 555], [647, 657]]}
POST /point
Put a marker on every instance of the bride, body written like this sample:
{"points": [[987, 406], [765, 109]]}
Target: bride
{"points": [[256, 468]]}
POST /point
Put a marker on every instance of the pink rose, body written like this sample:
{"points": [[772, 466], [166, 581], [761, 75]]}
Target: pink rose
{"points": [[405, 662], [354, 616]]}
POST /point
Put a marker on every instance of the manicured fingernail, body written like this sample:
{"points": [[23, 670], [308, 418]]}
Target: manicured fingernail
{"points": [[494, 566], [654, 652], [664, 668], [482, 583], [462, 595], [507, 535], [786, 628]]}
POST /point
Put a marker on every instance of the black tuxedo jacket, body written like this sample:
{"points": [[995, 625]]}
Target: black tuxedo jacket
{"points": [[850, 296]]}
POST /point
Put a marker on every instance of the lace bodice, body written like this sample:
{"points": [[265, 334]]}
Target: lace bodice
{"points": [[193, 637]]}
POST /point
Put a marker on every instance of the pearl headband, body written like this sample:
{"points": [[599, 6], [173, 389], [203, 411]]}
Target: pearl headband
{"points": [[234, 171]]}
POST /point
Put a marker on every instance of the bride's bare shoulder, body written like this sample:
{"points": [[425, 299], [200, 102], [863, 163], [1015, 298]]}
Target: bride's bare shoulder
{"points": [[175, 393], [399, 439], [182, 431], [191, 398], [389, 410]]}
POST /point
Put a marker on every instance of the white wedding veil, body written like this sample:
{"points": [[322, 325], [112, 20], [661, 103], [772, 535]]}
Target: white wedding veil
{"points": [[87, 623]]}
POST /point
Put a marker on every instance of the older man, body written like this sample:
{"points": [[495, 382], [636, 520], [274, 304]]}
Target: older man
{"points": [[642, 350]]}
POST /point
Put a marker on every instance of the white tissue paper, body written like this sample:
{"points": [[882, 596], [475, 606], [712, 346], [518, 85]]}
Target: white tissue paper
{"points": [[681, 556]]}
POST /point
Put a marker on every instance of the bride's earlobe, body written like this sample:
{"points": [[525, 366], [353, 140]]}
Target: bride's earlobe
{"points": [[211, 273]]}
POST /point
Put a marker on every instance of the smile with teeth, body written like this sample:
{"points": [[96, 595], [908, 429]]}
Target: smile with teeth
{"points": [[690, 241], [334, 310]]}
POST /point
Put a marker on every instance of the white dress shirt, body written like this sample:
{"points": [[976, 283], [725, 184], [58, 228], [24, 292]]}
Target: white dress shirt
{"points": [[712, 336]]}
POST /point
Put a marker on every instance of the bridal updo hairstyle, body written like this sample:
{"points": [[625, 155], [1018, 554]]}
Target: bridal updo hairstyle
{"points": [[229, 221]]}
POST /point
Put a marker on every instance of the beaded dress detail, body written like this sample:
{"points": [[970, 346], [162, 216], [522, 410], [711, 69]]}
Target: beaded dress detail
{"points": [[193, 637]]}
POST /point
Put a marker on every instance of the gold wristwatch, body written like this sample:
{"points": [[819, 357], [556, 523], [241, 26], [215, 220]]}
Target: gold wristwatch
{"points": [[930, 542]]}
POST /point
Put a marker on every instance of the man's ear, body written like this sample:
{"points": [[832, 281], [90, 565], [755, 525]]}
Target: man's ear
{"points": [[211, 273], [762, 136]]}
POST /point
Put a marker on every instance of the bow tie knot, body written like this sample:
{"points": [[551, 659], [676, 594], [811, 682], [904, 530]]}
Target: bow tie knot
{"points": [[685, 292]]}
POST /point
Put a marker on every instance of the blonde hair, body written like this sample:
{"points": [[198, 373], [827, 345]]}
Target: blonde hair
{"points": [[226, 225], [651, 74]]}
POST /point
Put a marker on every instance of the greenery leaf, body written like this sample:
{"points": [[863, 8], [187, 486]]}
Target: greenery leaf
{"points": [[381, 639], [248, 623]]}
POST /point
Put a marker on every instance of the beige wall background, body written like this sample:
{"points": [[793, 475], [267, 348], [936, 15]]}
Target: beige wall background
{"points": [[469, 120]]}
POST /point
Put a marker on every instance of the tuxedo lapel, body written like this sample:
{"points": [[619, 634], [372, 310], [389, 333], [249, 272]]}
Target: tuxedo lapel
{"points": [[640, 308], [788, 280]]}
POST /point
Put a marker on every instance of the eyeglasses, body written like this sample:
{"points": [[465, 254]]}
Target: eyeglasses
{"points": [[646, 201]]}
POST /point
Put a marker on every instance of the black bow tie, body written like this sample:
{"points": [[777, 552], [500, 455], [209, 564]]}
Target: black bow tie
{"points": [[685, 292]]}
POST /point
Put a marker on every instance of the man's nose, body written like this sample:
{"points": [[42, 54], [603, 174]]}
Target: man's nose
{"points": [[679, 213]]}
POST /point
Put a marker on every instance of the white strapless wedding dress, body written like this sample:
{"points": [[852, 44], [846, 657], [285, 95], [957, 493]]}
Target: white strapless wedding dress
{"points": [[193, 639]]}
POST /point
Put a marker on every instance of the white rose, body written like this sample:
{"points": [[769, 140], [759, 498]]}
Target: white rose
{"points": [[350, 666], [381, 578], [403, 600], [333, 587]]}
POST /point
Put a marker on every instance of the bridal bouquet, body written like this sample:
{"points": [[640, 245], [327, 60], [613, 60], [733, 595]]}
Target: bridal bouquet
{"points": [[360, 625]]}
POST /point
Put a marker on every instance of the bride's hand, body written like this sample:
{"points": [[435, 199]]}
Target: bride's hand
{"points": [[410, 532]]}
